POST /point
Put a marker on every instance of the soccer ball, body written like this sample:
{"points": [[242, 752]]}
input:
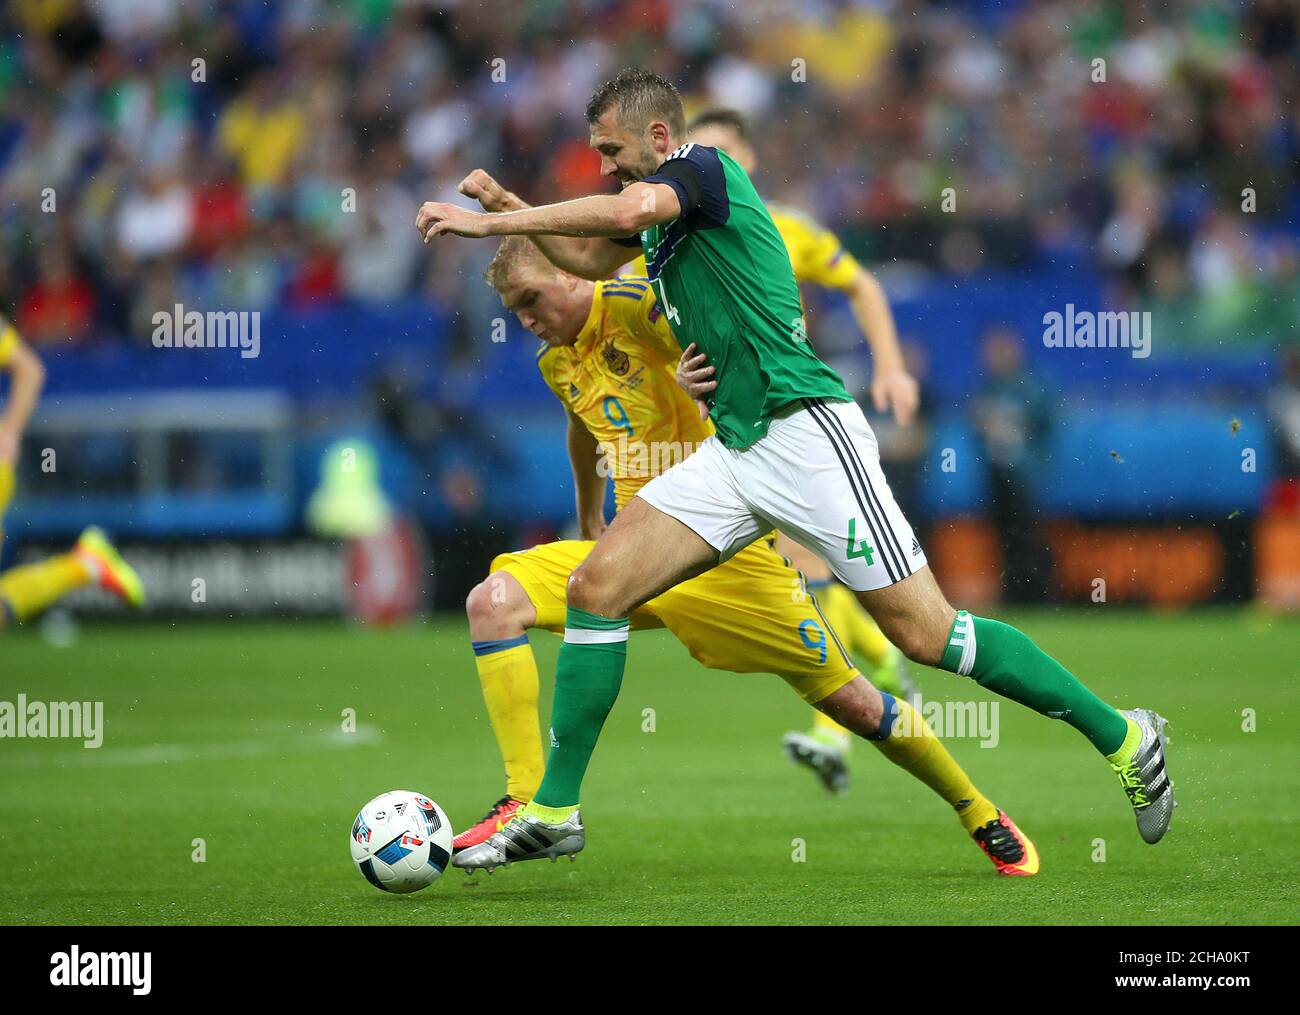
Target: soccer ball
{"points": [[401, 841]]}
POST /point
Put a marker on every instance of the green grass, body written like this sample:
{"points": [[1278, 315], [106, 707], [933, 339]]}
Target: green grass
{"points": [[228, 733]]}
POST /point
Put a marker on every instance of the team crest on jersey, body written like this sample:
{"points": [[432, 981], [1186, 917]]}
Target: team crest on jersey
{"points": [[616, 359]]}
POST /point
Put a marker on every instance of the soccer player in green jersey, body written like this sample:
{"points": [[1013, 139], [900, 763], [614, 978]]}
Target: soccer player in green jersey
{"points": [[792, 451]]}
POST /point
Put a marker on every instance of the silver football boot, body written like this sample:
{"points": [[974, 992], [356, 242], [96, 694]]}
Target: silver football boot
{"points": [[825, 760], [1145, 779], [524, 838]]}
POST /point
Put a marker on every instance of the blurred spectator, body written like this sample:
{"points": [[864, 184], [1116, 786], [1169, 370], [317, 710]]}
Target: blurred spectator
{"points": [[1012, 414], [155, 219], [263, 129], [219, 209], [244, 169], [60, 304], [1284, 410]]}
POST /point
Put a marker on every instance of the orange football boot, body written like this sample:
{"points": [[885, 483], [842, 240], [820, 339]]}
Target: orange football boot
{"points": [[1008, 847], [113, 573], [491, 823]]}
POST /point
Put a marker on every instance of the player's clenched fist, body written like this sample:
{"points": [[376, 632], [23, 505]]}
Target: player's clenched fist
{"points": [[486, 191], [436, 218]]}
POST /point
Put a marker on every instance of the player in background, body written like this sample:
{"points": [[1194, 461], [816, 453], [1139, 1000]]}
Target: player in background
{"points": [[28, 590], [792, 451], [610, 358], [818, 258]]}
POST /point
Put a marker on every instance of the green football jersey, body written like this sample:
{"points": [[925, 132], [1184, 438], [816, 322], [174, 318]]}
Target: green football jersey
{"points": [[725, 283]]}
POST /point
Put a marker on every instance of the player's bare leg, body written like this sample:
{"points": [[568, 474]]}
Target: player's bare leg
{"points": [[903, 736], [885, 665], [500, 614], [824, 749], [498, 607], [916, 616], [643, 553]]}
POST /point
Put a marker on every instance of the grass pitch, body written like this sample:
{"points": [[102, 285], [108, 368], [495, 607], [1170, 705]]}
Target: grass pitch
{"points": [[231, 733]]}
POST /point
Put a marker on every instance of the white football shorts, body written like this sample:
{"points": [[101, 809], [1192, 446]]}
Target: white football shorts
{"points": [[815, 476]]}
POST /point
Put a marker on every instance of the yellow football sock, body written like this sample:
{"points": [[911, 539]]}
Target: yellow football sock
{"points": [[1132, 741], [29, 589], [508, 673], [853, 624], [551, 815], [914, 748]]}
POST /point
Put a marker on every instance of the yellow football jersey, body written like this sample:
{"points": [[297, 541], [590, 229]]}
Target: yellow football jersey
{"points": [[620, 379], [816, 254], [8, 341]]}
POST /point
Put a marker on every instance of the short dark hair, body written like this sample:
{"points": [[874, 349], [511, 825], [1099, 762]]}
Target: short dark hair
{"points": [[641, 96], [718, 116]]}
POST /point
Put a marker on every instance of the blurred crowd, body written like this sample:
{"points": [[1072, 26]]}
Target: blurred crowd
{"points": [[252, 155]]}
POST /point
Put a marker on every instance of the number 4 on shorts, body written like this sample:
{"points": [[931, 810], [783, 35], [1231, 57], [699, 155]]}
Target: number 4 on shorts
{"points": [[863, 548]]}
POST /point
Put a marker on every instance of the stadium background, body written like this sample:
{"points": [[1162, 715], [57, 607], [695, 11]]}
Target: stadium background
{"points": [[229, 192]]}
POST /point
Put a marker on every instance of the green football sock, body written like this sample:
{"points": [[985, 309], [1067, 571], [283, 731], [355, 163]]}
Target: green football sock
{"points": [[587, 680], [1007, 662]]}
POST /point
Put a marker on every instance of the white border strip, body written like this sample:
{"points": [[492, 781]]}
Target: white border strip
{"points": [[583, 636]]}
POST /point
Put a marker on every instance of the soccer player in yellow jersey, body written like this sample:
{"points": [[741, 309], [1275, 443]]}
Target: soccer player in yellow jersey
{"points": [[26, 591], [610, 358], [818, 258]]}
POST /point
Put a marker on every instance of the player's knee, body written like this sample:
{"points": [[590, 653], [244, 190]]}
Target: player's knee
{"points": [[919, 644], [592, 588], [493, 608], [478, 605]]}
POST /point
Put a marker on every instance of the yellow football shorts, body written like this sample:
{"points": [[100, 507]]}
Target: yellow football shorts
{"points": [[749, 615]]}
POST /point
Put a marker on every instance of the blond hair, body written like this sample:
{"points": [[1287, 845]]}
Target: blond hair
{"points": [[514, 253]]}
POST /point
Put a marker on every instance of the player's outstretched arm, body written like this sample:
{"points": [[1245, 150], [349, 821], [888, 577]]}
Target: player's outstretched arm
{"points": [[586, 257], [599, 218], [588, 480], [27, 374], [892, 387]]}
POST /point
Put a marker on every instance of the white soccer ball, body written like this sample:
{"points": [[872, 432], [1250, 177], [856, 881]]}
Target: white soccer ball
{"points": [[401, 841]]}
